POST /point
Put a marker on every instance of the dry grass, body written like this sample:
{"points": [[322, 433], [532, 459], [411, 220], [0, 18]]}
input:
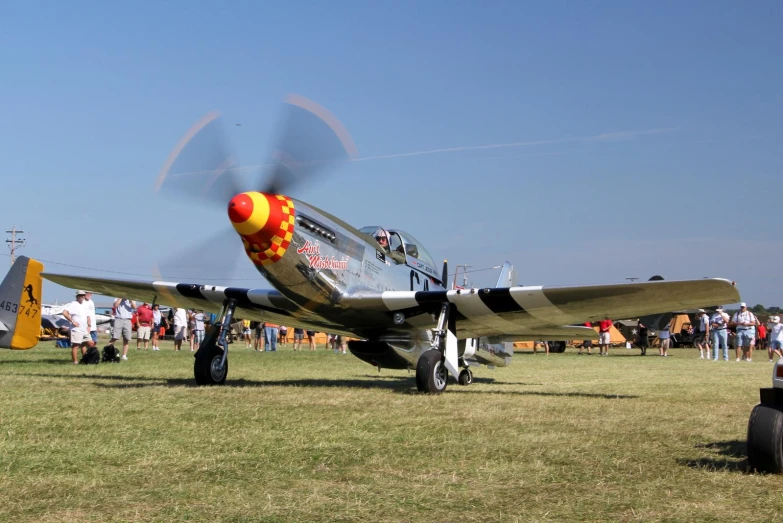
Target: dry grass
{"points": [[318, 436]]}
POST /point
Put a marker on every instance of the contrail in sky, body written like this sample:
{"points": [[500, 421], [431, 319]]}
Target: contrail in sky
{"points": [[602, 137], [594, 138]]}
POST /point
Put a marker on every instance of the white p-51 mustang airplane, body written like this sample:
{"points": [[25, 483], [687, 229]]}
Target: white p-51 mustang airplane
{"points": [[378, 285]]}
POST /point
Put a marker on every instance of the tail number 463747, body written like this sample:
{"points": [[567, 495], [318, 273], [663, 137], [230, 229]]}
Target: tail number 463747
{"points": [[12, 307]]}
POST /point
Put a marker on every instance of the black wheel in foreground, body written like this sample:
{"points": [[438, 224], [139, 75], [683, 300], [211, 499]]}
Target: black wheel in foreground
{"points": [[431, 374], [465, 377], [765, 439], [207, 368]]}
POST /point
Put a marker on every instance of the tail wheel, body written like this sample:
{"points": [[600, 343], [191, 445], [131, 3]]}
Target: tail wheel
{"points": [[431, 374], [465, 377], [765, 439], [207, 369]]}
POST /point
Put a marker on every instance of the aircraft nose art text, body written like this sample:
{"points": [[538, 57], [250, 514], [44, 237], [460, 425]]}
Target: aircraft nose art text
{"points": [[265, 222]]}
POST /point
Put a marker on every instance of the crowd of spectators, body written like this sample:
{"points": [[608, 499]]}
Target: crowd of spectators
{"points": [[713, 334]]}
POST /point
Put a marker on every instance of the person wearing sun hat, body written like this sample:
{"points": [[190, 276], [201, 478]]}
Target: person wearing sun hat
{"points": [[775, 344], [746, 322], [718, 324], [90, 306], [77, 313]]}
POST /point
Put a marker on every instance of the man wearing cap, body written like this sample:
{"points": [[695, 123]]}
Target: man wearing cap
{"points": [[90, 306], [745, 322], [76, 312], [775, 343], [702, 341], [718, 325], [123, 314]]}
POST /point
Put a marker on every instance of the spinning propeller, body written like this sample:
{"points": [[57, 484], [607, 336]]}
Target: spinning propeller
{"points": [[201, 168]]}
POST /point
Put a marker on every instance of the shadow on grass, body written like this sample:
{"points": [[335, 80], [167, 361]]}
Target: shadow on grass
{"points": [[734, 458], [734, 448], [548, 394], [42, 361], [399, 384], [632, 353]]}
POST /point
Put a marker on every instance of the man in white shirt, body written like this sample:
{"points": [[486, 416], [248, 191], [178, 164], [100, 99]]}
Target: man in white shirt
{"points": [[745, 322], [180, 327], [76, 313], [90, 306], [719, 322], [703, 336], [775, 345], [123, 314]]}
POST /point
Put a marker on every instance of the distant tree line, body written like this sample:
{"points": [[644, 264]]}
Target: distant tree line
{"points": [[759, 309]]}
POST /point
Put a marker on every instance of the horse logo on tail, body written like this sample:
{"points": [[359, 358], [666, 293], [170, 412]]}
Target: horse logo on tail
{"points": [[30, 298]]}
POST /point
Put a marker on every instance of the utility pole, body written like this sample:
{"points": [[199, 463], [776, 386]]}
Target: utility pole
{"points": [[14, 242], [464, 276]]}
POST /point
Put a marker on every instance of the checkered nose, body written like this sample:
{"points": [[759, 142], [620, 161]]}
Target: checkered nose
{"points": [[265, 222]]}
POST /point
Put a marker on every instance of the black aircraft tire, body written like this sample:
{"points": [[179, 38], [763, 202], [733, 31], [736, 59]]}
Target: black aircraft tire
{"points": [[765, 439], [206, 368], [557, 346], [465, 377], [431, 375]]}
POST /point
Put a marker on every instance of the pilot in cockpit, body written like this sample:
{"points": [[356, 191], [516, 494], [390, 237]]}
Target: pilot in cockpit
{"points": [[382, 237]]}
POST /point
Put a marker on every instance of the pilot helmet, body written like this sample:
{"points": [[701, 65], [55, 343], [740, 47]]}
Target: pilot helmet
{"points": [[380, 233]]}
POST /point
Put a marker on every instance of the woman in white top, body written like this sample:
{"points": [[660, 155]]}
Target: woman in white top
{"points": [[775, 336]]}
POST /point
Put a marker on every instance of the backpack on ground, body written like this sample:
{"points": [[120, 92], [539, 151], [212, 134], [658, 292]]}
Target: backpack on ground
{"points": [[91, 357], [111, 354]]}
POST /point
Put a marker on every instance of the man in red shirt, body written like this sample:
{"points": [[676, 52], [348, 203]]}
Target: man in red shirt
{"points": [[761, 334], [604, 336], [144, 324]]}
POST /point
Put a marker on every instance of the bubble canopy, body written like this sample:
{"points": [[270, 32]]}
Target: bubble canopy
{"points": [[413, 247]]}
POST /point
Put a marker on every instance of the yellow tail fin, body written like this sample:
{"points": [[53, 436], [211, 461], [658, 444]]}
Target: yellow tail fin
{"points": [[20, 305]]}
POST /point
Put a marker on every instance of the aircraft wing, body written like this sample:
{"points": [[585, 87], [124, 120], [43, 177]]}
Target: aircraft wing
{"points": [[252, 304], [529, 312]]}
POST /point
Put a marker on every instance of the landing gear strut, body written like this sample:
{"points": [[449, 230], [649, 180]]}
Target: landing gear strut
{"points": [[211, 365], [442, 359]]}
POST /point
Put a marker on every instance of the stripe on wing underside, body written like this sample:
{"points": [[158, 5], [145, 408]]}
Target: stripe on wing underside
{"points": [[500, 300], [243, 302], [192, 291], [430, 302]]}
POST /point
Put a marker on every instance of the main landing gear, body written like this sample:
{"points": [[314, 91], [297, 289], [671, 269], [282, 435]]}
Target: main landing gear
{"points": [[211, 365], [765, 427], [442, 359]]}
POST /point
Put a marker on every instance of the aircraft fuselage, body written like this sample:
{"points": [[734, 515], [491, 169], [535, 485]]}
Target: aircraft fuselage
{"points": [[314, 259]]}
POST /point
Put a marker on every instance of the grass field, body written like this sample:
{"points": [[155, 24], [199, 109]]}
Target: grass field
{"points": [[325, 437]]}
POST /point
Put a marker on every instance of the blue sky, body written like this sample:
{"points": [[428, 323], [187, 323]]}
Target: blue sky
{"points": [[652, 130]]}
